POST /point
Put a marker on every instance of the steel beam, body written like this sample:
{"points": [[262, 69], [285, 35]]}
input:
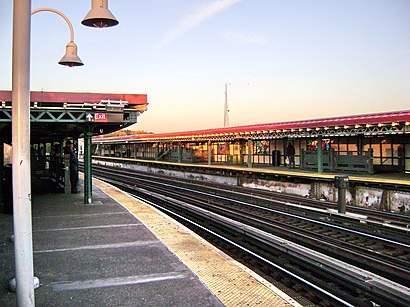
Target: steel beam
{"points": [[250, 153], [319, 155], [209, 153]]}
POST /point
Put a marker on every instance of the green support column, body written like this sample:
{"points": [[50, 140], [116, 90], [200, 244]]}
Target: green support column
{"points": [[209, 153], [241, 149], [360, 142], [87, 168], [250, 152], [179, 152], [319, 155]]}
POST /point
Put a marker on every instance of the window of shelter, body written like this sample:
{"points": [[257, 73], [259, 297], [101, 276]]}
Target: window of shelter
{"points": [[386, 151], [397, 153], [352, 145]]}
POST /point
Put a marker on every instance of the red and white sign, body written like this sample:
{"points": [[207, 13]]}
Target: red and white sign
{"points": [[101, 117]]}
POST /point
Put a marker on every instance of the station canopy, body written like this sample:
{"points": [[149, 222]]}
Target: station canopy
{"points": [[59, 115], [376, 124]]}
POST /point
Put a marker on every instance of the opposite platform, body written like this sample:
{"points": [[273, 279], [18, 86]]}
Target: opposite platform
{"points": [[107, 254]]}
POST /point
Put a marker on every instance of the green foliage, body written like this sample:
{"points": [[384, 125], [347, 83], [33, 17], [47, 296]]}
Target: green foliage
{"points": [[125, 132]]}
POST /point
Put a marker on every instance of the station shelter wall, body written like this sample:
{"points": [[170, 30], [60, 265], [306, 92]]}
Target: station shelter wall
{"points": [[47, 163]]}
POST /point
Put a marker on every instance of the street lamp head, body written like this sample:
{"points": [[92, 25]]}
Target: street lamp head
{"points": [[71, 58], [99, 16]]}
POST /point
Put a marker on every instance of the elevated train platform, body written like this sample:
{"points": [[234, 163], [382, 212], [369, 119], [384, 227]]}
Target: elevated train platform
{"points": [[367, 143], [372, 149], [120, 252]]}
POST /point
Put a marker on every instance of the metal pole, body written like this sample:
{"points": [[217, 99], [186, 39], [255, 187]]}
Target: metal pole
{"points": [[87, 168], [250, 153], [319, 155], [241, 153], [226, 108], [23, 243], [209, 153], [179, 152], [341, 200], [341, 183]]}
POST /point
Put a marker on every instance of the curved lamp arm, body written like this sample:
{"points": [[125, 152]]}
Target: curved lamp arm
{"points": [[70, 58], [43, 9]]}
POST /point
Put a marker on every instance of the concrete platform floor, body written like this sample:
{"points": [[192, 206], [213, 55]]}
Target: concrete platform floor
{"points": [[107, 254]]}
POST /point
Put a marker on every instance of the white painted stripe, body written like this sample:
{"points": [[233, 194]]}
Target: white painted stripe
{"points": [[89, 227], [100, 246], [79, 215], [118, 281]]}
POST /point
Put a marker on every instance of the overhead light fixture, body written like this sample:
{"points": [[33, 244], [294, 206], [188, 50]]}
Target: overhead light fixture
{"points": [[99, 16], [71, 57]]}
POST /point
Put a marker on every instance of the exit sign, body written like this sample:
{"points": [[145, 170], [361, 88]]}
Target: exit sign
{"points": [[105, 117], [101, 117]]}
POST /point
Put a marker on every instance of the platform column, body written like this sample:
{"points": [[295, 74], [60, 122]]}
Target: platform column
{"points": [[241, 152], [23, 243], [360, 142], [158, 151], [341, 183], [209, 153], [250, 151], [87, 168], [179, 152], [319, 155]]}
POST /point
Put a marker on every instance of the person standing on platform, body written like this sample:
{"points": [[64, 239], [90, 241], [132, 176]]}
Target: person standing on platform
{"points": [[68, 149], [290, 154]]}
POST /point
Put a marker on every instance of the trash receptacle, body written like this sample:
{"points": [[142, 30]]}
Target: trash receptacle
{"points": [[7, 189]]}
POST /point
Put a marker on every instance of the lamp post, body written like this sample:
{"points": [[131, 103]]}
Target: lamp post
{"points": [[23, 246]]}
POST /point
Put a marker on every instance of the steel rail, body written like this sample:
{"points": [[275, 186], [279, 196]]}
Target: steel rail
{"points": [[379, 216], [405, 245], [284, 270], [382, 289], [380, 262]]}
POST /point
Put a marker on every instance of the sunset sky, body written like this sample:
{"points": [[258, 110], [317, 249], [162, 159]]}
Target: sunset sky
{"points": [[282, 60]]}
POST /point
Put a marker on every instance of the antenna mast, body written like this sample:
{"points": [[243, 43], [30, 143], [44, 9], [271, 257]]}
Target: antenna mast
{"points": [[226, 109]]}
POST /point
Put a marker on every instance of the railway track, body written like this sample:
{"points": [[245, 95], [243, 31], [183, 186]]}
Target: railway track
{"points": [[332, 259]]}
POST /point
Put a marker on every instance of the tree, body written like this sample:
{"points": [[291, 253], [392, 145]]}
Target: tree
{"points": [[125, 132]]}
